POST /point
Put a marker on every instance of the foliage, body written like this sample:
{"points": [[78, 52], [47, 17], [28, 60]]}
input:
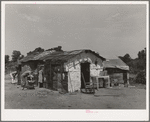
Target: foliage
{"points": [[142, 54], [15, 55], [141, 77], [37, 50], [136, 65], [126, 58], [55, 48], [6, 59], [11, 66], [21, 57]]}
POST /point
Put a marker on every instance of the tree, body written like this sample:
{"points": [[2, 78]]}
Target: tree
{"points": [[6, 58], [37, 50], [121, 58], [142, 59], [21, 57], [142, 54], [141, 77], [126, 58], [15, 55], [139, 55]]}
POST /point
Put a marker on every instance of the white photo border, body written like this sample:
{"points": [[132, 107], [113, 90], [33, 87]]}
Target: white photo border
{"points": [[72, 114]]}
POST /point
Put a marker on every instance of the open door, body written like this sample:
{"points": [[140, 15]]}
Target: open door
{"points": [[85, 72]]}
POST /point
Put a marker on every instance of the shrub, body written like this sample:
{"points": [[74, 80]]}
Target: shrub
{"points": [[141, 77]]}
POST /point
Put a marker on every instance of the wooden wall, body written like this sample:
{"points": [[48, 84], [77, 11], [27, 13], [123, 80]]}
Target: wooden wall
{"points": [[116, 75], [74, 70]]}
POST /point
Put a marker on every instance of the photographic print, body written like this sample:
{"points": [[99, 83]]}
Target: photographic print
{"points": [[85, 57]]}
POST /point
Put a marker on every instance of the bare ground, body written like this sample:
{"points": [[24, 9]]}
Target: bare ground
{"points": [[41, 98]]}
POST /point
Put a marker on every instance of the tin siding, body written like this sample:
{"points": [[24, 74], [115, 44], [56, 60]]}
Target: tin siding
{"points": [[74, 70]]}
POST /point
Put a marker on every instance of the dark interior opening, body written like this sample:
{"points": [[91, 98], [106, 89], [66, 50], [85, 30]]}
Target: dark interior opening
{"points": [[85, 72], [55, 69]]}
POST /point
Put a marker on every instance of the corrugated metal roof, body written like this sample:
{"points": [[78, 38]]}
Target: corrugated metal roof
{"points": [[58, 55], [115, 63]]}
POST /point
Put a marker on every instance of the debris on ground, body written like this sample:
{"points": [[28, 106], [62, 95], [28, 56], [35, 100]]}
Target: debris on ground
{"points": [[72, 93], [105, 98]]}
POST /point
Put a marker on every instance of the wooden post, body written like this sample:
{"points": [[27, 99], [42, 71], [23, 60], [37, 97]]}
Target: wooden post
{"points": [[128, 78], [125, 79], [19, 77], [50, 82], [61, 71], [108, 82], [97, 83]]}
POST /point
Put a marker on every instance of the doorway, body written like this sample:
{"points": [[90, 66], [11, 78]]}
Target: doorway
{"points": [[85, 73], [55, 76]]}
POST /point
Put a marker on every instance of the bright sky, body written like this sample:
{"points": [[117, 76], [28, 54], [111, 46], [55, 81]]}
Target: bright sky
{"points": [[111, 30]]}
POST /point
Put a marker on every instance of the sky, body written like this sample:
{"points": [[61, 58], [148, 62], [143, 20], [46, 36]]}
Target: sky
{"points": [[110, 30]]}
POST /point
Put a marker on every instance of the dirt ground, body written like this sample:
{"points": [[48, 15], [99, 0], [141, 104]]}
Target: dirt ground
{"points": [[104, 98]]}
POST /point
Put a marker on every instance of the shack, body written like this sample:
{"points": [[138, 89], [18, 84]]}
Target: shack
{"points": [[117, 70], [32, 62], [63, 69]]}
